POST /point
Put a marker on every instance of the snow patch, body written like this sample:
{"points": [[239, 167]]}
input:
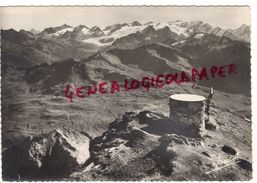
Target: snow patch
{"points": [[198, 36], [95, 41], [179, 42], [124, 31], [85, 30], [173, 26], [178, 30], [60, 32]]}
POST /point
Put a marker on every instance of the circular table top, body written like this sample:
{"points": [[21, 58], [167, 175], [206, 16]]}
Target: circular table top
{"points": [[187, 97]]}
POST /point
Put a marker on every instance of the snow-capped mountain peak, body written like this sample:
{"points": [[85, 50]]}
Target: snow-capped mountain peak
{"points": [[179, 29]]}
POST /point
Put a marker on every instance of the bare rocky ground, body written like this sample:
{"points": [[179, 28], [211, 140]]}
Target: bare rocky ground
{"points": [[133, 146]]}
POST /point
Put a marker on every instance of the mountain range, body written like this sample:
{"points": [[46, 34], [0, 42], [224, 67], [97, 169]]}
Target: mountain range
{"points": [[63, 54]]}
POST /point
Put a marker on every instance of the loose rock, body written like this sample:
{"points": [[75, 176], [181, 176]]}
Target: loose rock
{"points": [[245, 164], [210, 124]]}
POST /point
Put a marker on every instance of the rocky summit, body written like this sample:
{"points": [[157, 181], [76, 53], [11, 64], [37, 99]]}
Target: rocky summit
{"points": [[150, 146]]}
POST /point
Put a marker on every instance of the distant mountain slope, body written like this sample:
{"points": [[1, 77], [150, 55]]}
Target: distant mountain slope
{"points": [[113, 64], [199, 44], [39, 50], [149, 60], [238, 54], [126, 51], [206, 50]]}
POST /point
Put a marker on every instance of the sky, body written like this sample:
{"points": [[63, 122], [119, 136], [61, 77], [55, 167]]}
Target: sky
{"points": [[40, 18]]}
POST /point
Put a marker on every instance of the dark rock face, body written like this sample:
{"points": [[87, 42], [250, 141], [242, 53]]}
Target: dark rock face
{"points": [[50, 155], [136, 23], [96, 31]]}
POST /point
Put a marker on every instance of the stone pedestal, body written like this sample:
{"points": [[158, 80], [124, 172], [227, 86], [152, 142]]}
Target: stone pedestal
{"points": [[188, 112]]}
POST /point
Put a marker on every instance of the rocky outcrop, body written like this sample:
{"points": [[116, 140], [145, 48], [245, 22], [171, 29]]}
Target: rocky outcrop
{"points": [[150, 146], [54, 154]]}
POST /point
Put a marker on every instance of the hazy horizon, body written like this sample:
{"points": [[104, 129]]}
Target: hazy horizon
{"points": [[40, 18]]}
